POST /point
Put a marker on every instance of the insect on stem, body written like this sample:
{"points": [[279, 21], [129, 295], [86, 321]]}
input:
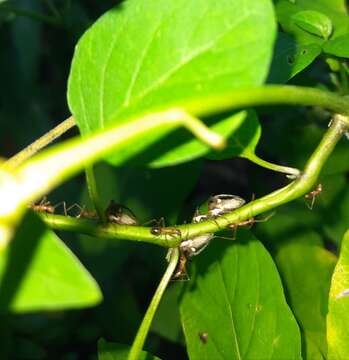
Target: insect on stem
{"points": [[312, 196]]}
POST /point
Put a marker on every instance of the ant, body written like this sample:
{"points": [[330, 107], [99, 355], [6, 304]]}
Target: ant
{"points": [[43, 206], [181, 270], [249, 222], [160, 229], [312, 196], [46, 207]]}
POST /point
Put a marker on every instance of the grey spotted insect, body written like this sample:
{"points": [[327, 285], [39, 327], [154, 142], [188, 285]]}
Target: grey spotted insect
{"points": [[223, 203], [120, 214], [195, 245]]}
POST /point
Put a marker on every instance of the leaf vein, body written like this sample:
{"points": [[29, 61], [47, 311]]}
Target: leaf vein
{"points": [[230, 312]]}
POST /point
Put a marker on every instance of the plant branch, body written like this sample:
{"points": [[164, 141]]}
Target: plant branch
{"points": [[93, 192], [268, 95], [292, 173], [40, 143], [296, 189], [51, 167], [143, 330]]}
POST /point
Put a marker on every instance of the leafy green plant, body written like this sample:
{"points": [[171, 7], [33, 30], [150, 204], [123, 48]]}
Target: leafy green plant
{"points": [[155, 88]]}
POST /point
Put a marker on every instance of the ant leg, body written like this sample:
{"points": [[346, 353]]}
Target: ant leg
{"points": [[150, 222], [235, 230], [202, 248], [196, 213], [44, 201], [309, 205], [75, 205], [268, 217], [62, 203], [312, 202], [158, 223], [223, 237]]}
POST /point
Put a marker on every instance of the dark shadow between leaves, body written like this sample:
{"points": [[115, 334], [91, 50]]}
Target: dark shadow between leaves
{"points": [[19, 256], [290, 57]]}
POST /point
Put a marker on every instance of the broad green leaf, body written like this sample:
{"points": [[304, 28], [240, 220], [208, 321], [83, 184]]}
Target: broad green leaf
{"points": [[314, 22], [338, 46], [185, 48], [38, 272], [335, 10], [115, 351], [306, 269], [334, 206], [290, 58], [235, 300], [338, 307]]}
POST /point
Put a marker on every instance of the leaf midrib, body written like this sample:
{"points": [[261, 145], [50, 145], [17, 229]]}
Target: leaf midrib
{"points": [[160, 81]]}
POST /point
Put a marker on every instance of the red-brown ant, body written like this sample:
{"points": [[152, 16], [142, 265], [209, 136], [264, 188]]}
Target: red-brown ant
{"points": [[181, 270], [312, 196], [249, 222], [160, 229], [45, 206]]}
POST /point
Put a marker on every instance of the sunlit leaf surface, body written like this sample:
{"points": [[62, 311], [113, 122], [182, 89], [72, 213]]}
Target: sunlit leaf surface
{"points": [[143, 55], [234, 306], [38, 272], [338, 309]]}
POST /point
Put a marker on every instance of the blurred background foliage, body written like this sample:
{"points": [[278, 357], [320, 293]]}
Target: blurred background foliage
{"points": [[37, 43]]}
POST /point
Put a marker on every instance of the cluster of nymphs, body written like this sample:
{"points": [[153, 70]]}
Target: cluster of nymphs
{"points": [[218, 205]]}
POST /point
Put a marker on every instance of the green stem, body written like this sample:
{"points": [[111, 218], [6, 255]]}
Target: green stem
{"points": [[143, 330], [40, 143], [268, 95], [93, 192], [108, 231], [292, 172], [53, 166], [297, 188]]}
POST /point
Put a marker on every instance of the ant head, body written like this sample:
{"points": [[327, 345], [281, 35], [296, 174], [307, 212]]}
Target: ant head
{"points": [[155, 230]]}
